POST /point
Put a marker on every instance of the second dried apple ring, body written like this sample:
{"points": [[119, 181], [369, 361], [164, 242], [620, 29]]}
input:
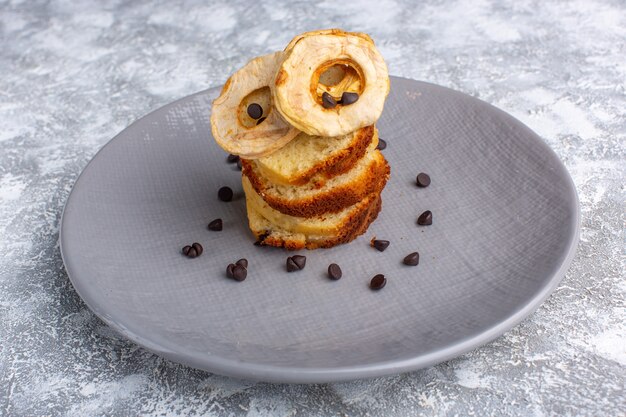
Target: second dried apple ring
{"points": [[329, 63]]}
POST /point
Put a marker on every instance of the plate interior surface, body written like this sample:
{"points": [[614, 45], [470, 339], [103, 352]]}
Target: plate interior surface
{"points": [[505, 226]]}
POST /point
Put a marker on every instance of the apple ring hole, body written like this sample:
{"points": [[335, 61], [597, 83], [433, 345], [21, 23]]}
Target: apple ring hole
{"points": [[262, 97], [335, 78]]}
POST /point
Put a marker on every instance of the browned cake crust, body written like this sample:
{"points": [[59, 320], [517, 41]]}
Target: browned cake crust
{"points": [[372, 180], [348, 157], [353, 228], [338, 163]]}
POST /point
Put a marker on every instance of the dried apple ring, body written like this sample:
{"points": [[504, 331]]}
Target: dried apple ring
{"points": [[243, 119], [339, 32], [331, 83]]}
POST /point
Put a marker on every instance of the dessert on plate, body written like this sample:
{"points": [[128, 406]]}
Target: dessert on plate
{"points": [[303, 122]]}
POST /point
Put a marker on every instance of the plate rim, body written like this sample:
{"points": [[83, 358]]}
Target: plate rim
{"points": [[290, 374]]}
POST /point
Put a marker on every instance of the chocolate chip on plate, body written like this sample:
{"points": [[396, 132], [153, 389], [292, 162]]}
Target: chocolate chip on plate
{"points": [[411, 259], [296, 263], [291, 265], [193, 251], [379, 244], [425, 219], [422, 180], [299, 260], [189, 252], [381, 144], [243, 262], [225, 194], [334, 272], [232, 158], [229, 270], [239, 273], [215, 225], [378, 282], [261, 120], [349, 98], [255, 111], [328, 101]]}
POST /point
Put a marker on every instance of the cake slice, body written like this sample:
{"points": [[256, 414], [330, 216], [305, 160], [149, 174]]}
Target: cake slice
{"points": [[368, 176], [308, 156], [269, 234], [326, 224]]}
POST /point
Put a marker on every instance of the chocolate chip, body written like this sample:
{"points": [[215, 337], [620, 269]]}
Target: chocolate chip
{"points": [[296, 263], [291, 265], [261, 120], [243, 262], [187, 249], [328, 101], [422, 180], [334, 272], [229, 270], [255, 111], [261, 238], [198, 248], [193, 251], [381, 144], [349, 98], [412, 259], [216, 225], [239, 164], [380, 245], [225, 194], [425, 219], [232, 158], [299, 260], [239, 272], [378, 282]]}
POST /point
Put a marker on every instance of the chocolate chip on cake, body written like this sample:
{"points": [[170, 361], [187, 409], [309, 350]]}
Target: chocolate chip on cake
{"points": [[328, 101], [261, 238], [381, 144], [411, 259], [232, 158], [422, 180], [255, 111], [349, 98], [334, 272], [261, 120], [425, 219], [225, 194], [378, 282], [215, 225], [239, 166]]}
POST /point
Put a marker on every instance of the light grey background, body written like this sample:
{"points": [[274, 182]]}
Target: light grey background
{"points": [[72, 76]]}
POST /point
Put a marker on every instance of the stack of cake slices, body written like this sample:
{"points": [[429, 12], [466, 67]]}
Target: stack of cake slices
{"points": [[302, 120], [315, 192]]}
